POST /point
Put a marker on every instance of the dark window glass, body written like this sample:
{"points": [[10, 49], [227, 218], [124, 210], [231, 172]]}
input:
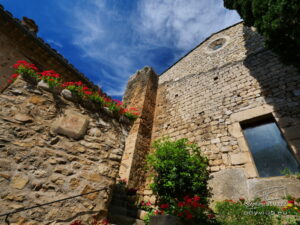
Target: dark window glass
{"points": [[217, 46], [269, 149]]}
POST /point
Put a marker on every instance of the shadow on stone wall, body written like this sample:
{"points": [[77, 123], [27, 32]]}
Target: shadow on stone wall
{"points": [[280, 86]]}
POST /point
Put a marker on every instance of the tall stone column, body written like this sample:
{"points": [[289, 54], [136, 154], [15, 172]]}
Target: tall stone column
{"points": [[141, 94]]}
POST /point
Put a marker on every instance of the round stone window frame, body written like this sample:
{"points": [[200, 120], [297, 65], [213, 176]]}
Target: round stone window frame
{"points": [[209, 48]]}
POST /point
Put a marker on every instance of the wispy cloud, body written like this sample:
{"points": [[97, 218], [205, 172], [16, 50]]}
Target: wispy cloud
{"points": [[55, 44], [120, 41], [182, 23]]}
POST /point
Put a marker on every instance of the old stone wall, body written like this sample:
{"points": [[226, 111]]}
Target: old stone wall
{"points": [[205, 95], [19, 43], [140, 93], [50, 149]]}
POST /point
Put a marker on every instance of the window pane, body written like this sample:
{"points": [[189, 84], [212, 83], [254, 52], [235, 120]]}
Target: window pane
{"points": [[269, 150]]}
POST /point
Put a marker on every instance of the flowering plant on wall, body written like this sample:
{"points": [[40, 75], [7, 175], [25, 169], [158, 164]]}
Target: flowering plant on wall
{"points": [[50, 77], [188, 208], [24, 67], [13, 78], [77, 88]]}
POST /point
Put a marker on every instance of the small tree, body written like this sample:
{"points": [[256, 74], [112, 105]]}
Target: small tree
{"points": [[277, 20], [179, 170]]}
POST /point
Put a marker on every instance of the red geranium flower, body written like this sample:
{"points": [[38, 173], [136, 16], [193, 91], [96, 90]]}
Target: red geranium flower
{"points": [[196, 198], [210, 216], [164, 206], [181, 204]]}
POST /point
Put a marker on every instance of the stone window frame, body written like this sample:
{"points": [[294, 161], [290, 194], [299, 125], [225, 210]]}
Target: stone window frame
{"points": [[211, 51], [236, 131]]}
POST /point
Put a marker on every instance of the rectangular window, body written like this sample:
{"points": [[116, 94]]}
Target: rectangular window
{"points": [[269, 149]]}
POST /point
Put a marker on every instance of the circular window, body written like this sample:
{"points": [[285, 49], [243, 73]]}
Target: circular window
{"points": [[217, 44]]}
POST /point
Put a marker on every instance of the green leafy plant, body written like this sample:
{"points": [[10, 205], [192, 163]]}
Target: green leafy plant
{"points": [[255, 212], [180, 177], [288, 173], [26, 68], [178, 169], [51, 78]]}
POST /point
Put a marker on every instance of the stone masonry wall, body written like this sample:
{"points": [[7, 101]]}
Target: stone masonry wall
{"points": [[18, 43], [205, 95], [140, 93], [50, 149]]}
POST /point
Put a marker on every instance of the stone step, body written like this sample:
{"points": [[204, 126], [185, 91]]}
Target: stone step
{"points": [[124, 220]]}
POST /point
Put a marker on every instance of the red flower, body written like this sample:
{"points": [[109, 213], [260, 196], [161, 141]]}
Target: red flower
{"points": [[76, 222], [210, 216], [14, 76], [180, 214], [181, 204], [263, 202], [202, 206], [188, 214], [164, 206], [105, 222], [9, 81], [88, 92], [196, 198], [195, 204], [291, 202]]}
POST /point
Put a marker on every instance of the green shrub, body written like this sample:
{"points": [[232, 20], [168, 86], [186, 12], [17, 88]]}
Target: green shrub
{"points": [[179, 170], [252, 213]]}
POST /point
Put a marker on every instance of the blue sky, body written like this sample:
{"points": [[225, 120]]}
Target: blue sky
{"points": [[109, 40]]}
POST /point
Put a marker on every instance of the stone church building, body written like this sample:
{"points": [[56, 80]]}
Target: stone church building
{"points": [[236, 100], [229, 95]]}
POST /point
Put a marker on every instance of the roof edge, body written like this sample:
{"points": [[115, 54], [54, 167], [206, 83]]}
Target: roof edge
{"points": [[198, 46], [46, 46]]}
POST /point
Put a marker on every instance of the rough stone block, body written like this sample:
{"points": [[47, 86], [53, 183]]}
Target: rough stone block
{"points": [[292, 133], [238, 159], [19, 182], [23, 118], [229, 184], [73, 125], [88, 189], [273, 188]]}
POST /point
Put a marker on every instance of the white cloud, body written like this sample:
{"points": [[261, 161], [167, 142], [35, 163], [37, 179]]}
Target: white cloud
{"points": [[121, 41], [182, 23], [55, 43]]}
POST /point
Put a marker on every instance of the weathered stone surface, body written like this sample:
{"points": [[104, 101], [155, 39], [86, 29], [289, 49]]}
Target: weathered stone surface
{"points": [[229, 184], [67, 94], [238, 159], [292, 133], [88, 189], [72, 125], [274, 188], [43, 85], [19, 182], [23, 118]]}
